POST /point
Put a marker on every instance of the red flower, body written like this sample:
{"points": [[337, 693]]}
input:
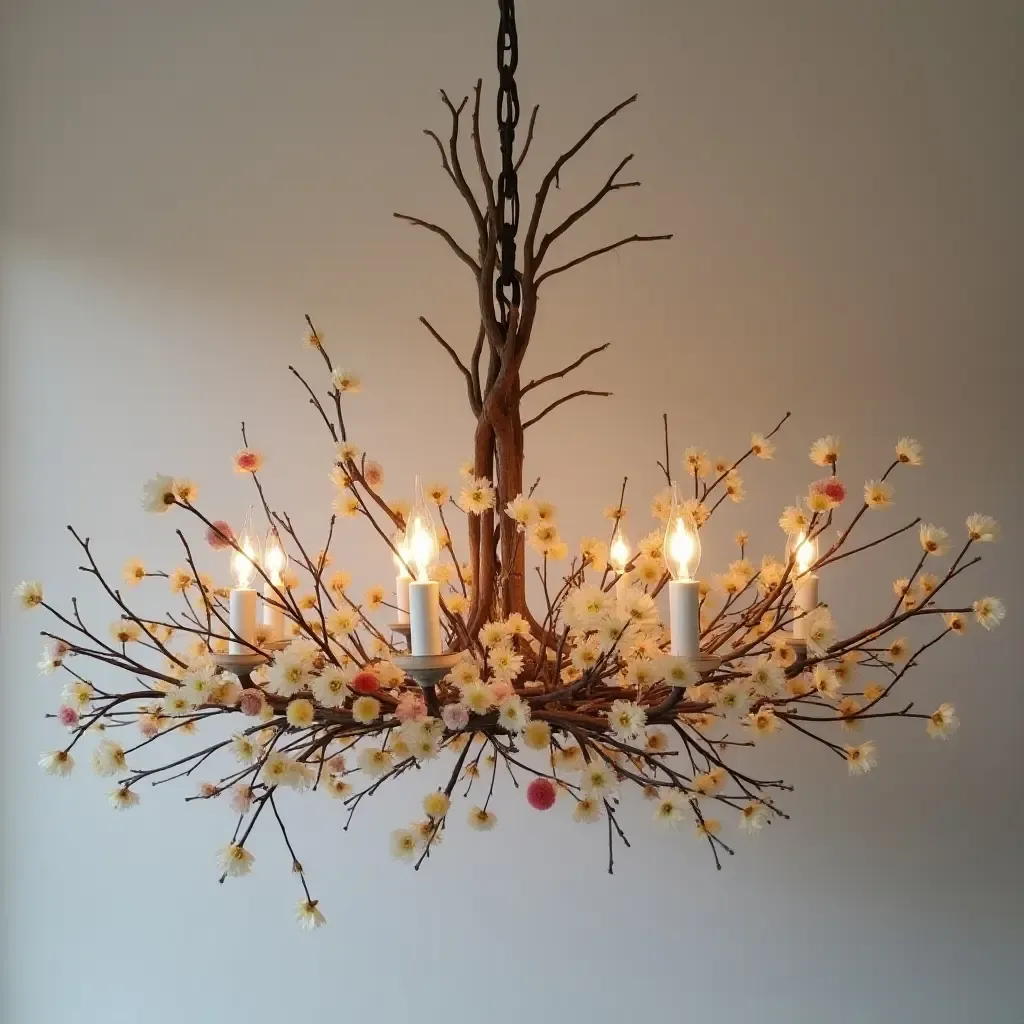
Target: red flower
{"points": [[365, 682], [832, 488], [248, 460], [540, 794], [219, 535]]}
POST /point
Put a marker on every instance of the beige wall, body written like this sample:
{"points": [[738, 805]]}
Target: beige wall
{"points": [[182, 181]]}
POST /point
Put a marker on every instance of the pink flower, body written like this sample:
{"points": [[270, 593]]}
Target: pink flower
{"points": [[365, 682], [411, 708], [207, 790], [219, 535], [832, 488], [148, 726], [501, 689], [248, 460], [540, 794], [241, 799], [373, 473], [336, 765], [455, 717], [67, 716], [60, 648], [251, 702]]}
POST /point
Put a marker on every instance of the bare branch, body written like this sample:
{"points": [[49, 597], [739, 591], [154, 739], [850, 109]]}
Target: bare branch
{"points": [[600, 252], [456, 248], [611, 185], [458, 362], [563, 399], [529, 137], [552, 175], [561, 373], [456, 168]]}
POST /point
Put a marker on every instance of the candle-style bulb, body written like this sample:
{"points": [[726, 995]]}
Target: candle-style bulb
{"points": [[401, 555], [421, 545], [682, 542], [619, 551], [803, 550], [243, 561], [275, 559]]}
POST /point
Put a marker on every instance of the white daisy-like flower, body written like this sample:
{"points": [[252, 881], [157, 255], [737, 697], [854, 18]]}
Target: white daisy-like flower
{"points": [[29, 594], [477, 496], [676, 671], [108, 758], [493, 633], [123, 798], [989, 611], [347, 382], [794, 520], [587, 810], [235, 860], [767, 676], [504, 663], [825, 451], [523, 511], [290, 674], [404, 844], [482, 820], [671, 809], [476, 697], [819, 630], [374, 762], [158, 493], [761, 446], [764, 721], [908, 451], [57, 762], [309, 915], [732, 698], [753, 817], [626, 719], [513, 713], [878, 494], [942, 722], [860, 760], [982, 529], [598, 780], [934, 539], [244, 749], [330, 688]]}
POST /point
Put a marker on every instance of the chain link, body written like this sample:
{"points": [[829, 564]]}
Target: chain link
{"points": [[506, 287]]}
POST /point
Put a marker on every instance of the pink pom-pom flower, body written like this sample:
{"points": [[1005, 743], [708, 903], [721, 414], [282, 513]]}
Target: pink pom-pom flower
{"points": [[251, 702], [540, 794], [455, 717], [411, 708], [830, 488], [67, 716], [219, 535]]}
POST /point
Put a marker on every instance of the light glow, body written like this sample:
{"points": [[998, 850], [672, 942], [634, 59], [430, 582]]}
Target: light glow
{"points": [[806, 551], [275, 561], [619, 551], [421, 547], [243, 560]]}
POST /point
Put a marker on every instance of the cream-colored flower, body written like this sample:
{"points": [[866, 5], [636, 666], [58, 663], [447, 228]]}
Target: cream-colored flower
{"points": [[186, 490], [124, 631], [331, 687], [934, 539], [676, 671], [477, 698], [709, 827], [873, 692], [235, 860], [482, 820], [587, 810], [860, 760], [878, 494], [522, 510], [899, 649], [365, 710], [819, 630], [767, 677], [309, 915], [346, 452], [764, 721], [732, 698], [374, 762], [493, 633], [57, 762], [696, 510], [29, 594], [595, 553], [626, 719], [123, 798], [753, 817], [436, 492], [982, 529], [108, 758], [336, 787], [513, 713], [696, 462], [342, 620], [158, 493], [132, 572], [942, 722], [955, 623], [299, 713], [825, 451], [404, 844], [537, 735], [346, 504], [436, 804], [346, 382], [569, 759], [615, 512], [989, 611], [671, 809], [734, 486], [477, 496], [598, 780], [761, 446], [908, 451], [794, 520]]}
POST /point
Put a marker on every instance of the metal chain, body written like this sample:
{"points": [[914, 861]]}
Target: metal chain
{"points": [[506, 288]]}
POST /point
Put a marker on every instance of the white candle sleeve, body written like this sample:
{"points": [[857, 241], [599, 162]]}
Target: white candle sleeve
{"points": [[273, 616], [684, 617], [402, 597], [620, 594], [805, 599], [424, 617], [242, 618]]}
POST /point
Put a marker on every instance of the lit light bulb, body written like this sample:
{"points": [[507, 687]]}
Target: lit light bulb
{"points": [[275, 559], [420, 537], [619, 551], [243, 561], [804, 552], [401, 555], [682, 543]]}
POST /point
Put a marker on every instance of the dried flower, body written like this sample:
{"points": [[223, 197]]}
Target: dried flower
{"points": [[248, 460]]}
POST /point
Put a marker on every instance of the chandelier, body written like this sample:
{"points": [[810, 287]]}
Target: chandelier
{"points": [[628, 669]]}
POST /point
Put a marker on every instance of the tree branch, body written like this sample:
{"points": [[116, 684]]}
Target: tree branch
{"points": [[458, 362], [561, 373], [438, 230], [563, 399], [611, 185], [600, 252], [529, 137]]}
